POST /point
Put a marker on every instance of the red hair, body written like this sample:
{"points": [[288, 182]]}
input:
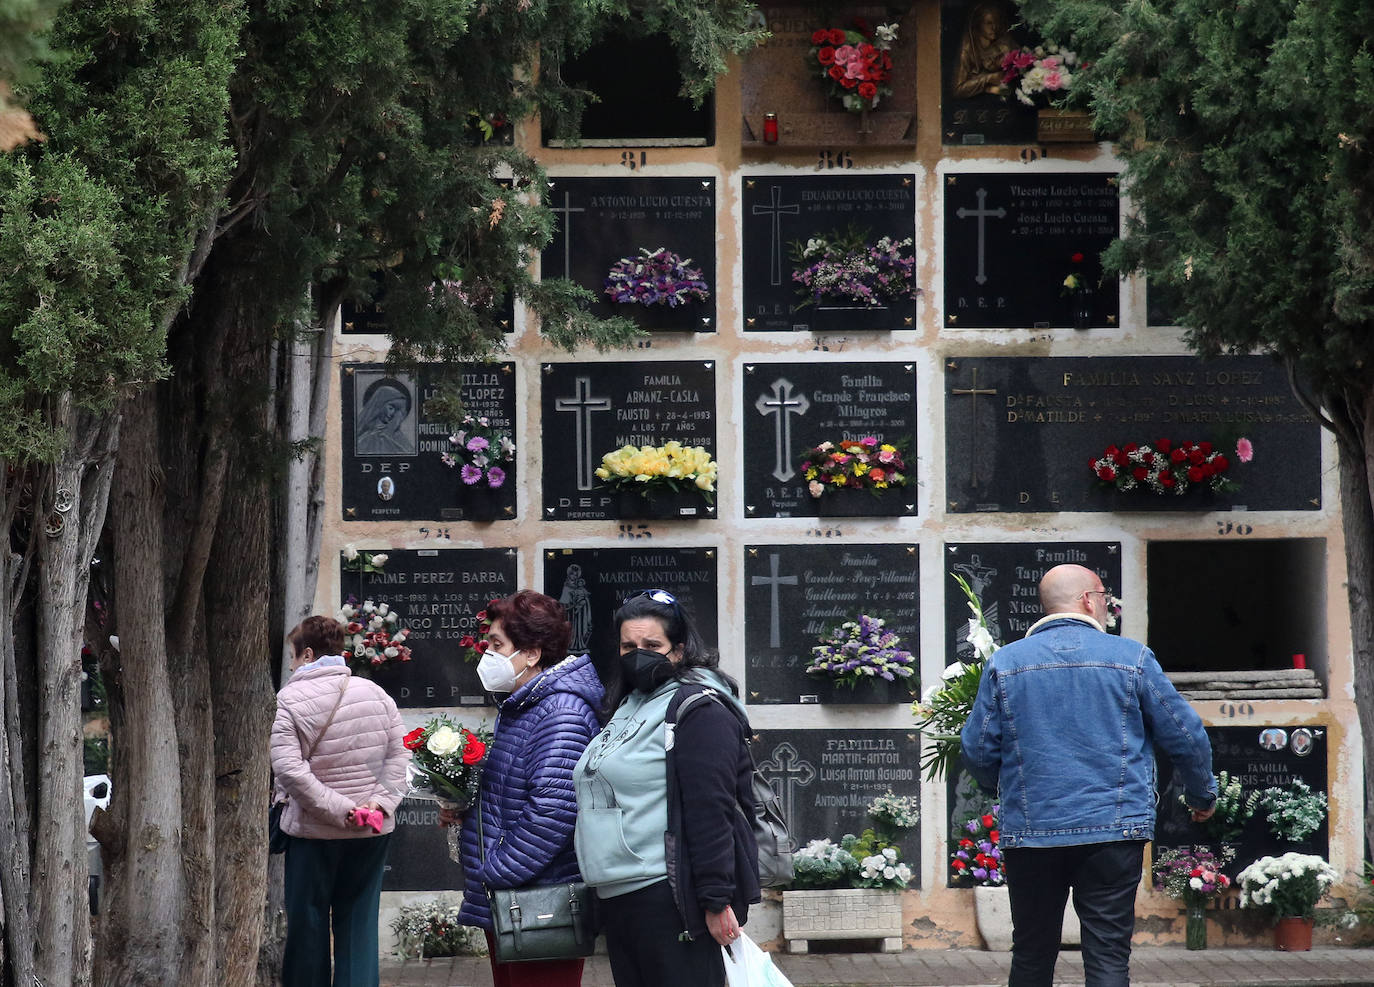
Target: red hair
{"points": [[532, 620]]}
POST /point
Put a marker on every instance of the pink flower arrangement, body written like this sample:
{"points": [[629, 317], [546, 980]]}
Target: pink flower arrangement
{"points": [[1039, 72], [1168, 466], [477, 450], [854, 464], [856, 64], [1192, 876]]}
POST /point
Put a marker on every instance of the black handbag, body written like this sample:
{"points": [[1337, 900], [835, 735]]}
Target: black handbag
{"points": [[276, 839], [540, 921]]}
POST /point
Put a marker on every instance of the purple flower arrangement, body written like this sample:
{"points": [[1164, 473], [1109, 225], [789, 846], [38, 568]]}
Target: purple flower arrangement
{"points": [[478, 451], [843, 268], [976, 857], [860, 651], [659, 277]]}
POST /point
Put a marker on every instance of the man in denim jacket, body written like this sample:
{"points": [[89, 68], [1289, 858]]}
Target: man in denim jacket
{"points": [[1064, 727]]}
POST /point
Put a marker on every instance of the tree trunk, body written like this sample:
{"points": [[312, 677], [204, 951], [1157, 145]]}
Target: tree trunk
{"points": [[145, 900], [1357, 523]]}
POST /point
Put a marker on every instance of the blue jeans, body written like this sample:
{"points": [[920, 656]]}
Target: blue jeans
{"points": [[1104, 878]]}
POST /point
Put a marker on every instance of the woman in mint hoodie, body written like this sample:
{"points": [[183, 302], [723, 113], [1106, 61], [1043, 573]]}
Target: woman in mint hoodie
{"points": [[670, 897]]}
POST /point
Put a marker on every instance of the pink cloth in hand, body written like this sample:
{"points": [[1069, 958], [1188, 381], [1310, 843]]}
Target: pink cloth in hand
{"points": [[368, 817]]}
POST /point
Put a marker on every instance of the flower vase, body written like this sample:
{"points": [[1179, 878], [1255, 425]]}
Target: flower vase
{"points": [[865, 127], [1082, 308], [1195, 931], [662, 505], [455, 836], [1293, 934]]}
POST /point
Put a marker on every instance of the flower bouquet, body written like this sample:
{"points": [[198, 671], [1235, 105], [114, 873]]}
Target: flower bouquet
{"points": [[1294, 811], [944, 708], [855, 65], [359, 561], [671, 466], [373, 636], [843, 268], [865, 861], [1232, 810], [659, 277], [853, 464], [474, 646], [446, 762], [479, 452], [431, 928], [1041, 74], [859, 651], [1168, 466], [1289, 886], [1193, 876], [975, 857]]}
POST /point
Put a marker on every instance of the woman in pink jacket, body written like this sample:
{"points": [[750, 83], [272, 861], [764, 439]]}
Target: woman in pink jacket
{"points": [[341, 765]]}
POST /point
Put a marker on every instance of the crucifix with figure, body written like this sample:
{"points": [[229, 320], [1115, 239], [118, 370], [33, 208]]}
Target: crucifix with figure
{"points": [[582, 403], [973, 392]]}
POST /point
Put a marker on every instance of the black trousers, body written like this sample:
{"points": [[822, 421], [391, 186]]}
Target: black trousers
{"points": [[333, 886], [642, 930], [1104, 878]]}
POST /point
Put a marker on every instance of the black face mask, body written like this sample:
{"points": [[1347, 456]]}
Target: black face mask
{"points": [[646, 670]]}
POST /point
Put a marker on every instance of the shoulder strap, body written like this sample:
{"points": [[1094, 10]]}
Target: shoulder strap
{"points": [[325, 729]]}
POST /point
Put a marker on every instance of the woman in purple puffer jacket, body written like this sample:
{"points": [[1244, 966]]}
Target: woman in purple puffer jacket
{"points": [[546, 718]]}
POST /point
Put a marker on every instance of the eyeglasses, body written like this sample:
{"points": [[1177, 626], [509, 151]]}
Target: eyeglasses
{"points": [[1106, 594], [657, 595]]}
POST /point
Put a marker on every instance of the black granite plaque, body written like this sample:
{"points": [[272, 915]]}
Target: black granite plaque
{"points": [[1012, 241], [976, 108], [361, 315], [1021, 433], [792, 407], [593, 408], [1006, 576], [393, 466], [417, 858], [592, 583], [1261, 757], [601, 221], [827, 778], [796, 594], [782, 214], [437, 593]]}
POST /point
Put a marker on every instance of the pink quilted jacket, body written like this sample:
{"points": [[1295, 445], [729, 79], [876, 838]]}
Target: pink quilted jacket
{"points": [[360, 759]]}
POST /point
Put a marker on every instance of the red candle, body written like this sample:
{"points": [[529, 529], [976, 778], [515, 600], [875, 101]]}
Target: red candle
{"points": [[1299, 661], [770, 128]]}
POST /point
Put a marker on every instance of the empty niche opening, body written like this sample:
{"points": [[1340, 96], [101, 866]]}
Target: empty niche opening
{"points": [[639, 103], [1240, 606]]}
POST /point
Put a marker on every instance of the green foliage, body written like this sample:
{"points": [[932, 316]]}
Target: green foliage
{"points": [[22, 42], [1246, 131]]}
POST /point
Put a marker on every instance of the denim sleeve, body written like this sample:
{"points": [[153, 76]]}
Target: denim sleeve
{"points": [[981, 739], [1176, 728]]}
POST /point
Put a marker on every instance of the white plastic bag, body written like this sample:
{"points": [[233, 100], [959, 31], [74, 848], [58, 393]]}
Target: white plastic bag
{"points": [[748, 966]]}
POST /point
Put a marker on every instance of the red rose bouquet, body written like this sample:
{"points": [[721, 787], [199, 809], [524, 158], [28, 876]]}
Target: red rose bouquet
{"points": [[1168, 466], [446, 761], [475, 645], [856, 65]]}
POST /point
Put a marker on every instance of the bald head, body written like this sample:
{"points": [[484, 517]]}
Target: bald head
{"points": [[1062, 589]]}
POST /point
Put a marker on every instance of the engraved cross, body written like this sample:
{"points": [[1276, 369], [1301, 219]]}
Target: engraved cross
{"points": [[783, 405], [773, 581], [775, 208], [583, 404], [982, 212], [975, 390]]}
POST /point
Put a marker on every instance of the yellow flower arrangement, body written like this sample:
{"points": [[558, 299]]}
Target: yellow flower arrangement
{"points": [[672, 465]]}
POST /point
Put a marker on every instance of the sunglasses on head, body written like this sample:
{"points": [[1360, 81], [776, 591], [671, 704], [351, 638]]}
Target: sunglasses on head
{"points": [[657, 595]]}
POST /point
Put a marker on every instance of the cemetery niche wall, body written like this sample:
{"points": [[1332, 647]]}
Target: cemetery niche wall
{"points": [[393, 463], [437, 593], [827, 778], [797, 595], [1024, 250], [783, 77], [800, 231], [646, 247], [417, 859], [592, 409], [592, 583], [1024, 433], [1242, 631], [1266, 756], [791, 409]]}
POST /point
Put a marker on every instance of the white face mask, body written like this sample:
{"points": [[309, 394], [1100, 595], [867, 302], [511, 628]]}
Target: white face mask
{"points": [[497, 671]]}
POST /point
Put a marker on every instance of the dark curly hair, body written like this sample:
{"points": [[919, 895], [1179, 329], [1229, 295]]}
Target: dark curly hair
{"points": [[532, 620]]}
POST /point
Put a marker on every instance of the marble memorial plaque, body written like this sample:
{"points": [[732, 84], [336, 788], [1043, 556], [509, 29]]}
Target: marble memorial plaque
{"points": [[797, 594], [792, 407], [437, 593], [594, 408], [591, 583], [392, 462], [1012, 240], [783, 213], [604, 220], [827, 778], [417, 859], [1021, 433]]}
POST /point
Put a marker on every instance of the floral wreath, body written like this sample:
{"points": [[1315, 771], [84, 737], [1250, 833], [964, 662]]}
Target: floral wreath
{"points": [[478, 450], [659, 277]]}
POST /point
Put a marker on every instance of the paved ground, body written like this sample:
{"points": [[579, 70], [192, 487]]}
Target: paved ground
{"points": [[1154, 966]]}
